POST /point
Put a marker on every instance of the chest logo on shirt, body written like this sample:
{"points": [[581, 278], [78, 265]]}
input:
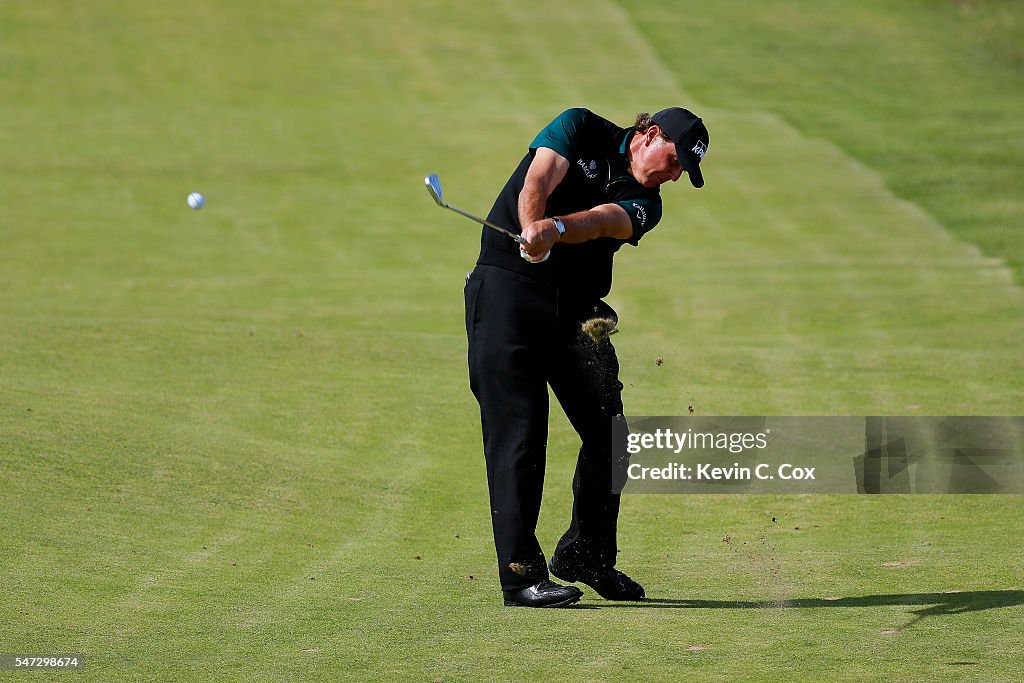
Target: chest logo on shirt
{"points": [[589, 170]]}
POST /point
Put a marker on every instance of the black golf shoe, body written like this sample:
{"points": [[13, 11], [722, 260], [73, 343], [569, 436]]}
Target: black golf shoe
{"points": [[543, 594], [609, 582]]}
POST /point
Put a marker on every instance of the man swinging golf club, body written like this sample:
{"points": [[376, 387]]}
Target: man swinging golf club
{"points": [[585, 188]]}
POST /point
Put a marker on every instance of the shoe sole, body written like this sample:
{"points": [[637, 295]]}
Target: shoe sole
{"points": [[563, 603], [575, 579], [563, 577]]}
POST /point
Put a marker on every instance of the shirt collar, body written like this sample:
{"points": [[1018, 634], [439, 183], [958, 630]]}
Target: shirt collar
{"points": [[619, 166], [625, 140]]}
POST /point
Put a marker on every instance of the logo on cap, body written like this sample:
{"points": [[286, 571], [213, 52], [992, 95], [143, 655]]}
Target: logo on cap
{"points": [[700, 149]]}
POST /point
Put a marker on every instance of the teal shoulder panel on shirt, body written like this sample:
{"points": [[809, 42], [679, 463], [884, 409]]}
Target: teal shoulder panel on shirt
{"points": [[559, 134], [644, 213]]}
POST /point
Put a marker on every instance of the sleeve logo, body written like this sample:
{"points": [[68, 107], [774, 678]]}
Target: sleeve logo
{"points": [[641, 214]]}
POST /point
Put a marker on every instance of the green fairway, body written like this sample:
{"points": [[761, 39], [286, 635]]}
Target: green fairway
{"points": [[238, 443]]}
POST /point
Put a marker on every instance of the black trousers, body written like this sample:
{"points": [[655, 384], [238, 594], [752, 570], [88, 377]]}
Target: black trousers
{"points": [[523, 336]]}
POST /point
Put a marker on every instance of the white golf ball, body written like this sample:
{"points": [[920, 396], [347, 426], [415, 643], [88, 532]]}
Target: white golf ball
{"points": [[196, 200]]}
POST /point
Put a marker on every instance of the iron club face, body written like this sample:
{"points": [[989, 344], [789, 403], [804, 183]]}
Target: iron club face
{"points": [[433, 184]]}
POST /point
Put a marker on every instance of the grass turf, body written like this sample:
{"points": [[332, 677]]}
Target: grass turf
{"points": [[238, 443]]}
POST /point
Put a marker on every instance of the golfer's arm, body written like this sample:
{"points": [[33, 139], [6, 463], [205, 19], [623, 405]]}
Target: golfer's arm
{"points": [[606, 220], [546, 171]]}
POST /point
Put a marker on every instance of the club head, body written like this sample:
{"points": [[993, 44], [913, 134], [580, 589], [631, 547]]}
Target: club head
{"points": [[433, 184]]}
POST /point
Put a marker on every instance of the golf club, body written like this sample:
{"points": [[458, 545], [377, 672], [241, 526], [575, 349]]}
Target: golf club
{"points": [[433, 183]]}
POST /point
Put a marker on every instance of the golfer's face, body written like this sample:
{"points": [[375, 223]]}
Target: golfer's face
{"points": [[659, 163]]}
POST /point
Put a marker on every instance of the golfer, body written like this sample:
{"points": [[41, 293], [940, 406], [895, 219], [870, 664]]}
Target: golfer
{"points": [[585, 188]]}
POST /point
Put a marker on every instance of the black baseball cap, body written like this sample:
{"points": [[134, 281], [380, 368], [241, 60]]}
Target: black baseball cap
{"points": [[690, 135]]}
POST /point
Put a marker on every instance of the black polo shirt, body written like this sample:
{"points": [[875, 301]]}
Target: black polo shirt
{"points": [[598, 174]]}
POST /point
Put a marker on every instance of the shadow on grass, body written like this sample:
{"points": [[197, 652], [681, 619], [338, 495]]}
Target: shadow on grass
{"points": [[938, 603]]}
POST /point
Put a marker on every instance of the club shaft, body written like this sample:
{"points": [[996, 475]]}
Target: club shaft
{"points": [[485, 222]]}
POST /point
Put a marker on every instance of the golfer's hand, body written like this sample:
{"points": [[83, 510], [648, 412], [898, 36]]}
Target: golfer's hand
{"points": [[540, 236]]}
